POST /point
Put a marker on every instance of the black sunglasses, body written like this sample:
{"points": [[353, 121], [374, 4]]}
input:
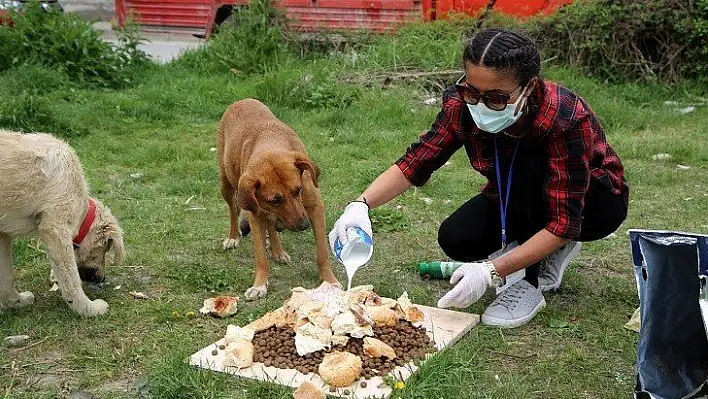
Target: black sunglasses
{"points": [[494, 101]]}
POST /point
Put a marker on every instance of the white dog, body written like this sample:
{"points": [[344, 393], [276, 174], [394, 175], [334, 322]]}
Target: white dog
{"points": [[43, 191]]}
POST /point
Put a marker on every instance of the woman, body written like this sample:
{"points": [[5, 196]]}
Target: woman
{"points": [[553, 180]]}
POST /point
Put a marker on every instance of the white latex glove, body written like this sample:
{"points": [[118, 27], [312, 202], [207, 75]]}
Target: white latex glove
{"points": [[356, 214], [473, 280]]}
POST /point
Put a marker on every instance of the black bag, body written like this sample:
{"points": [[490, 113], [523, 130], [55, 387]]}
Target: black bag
{"points": [[671, 270]]}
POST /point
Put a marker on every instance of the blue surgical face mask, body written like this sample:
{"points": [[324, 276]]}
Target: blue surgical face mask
{"points": [[493, 121]]}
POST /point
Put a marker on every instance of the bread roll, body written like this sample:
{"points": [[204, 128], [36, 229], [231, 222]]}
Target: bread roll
{"points": [[340, 369], [308, 391]]}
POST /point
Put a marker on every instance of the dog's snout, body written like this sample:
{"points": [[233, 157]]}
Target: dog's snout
{"points": [[279, 226], [91, 275], [303, 224]]}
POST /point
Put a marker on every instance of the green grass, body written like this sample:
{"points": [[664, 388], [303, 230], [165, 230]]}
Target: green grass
{"points": [[174, 221]]}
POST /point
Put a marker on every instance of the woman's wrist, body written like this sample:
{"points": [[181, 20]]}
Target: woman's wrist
{"points": [[362, 199], [500, 265]]}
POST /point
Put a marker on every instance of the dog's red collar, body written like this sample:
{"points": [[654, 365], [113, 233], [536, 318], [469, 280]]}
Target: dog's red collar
{"points": [[86, 224]]}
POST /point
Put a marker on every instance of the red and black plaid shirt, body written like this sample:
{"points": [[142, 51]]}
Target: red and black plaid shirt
{"points": [[564, 127]]}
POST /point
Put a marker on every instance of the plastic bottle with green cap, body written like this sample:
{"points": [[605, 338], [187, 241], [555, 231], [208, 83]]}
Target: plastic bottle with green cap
{"points": [[438, 270]]}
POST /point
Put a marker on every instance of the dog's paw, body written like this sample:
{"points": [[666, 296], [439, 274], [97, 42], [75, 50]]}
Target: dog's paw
{"points": [[26, 299], [21, 300], [281, 256], [332, 280], [97, 307], [254, 293], [230, 243]]}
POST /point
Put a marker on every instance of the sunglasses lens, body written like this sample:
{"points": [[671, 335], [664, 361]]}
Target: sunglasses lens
{"points": [[468, 95], [497, 103]]}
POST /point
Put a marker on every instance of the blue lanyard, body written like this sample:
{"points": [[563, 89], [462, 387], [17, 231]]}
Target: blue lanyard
{"points": [[504, 201]]}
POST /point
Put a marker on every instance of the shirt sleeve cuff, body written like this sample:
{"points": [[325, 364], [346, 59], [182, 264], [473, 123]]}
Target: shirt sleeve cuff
{"points": [[409, 171], [569, 230]]}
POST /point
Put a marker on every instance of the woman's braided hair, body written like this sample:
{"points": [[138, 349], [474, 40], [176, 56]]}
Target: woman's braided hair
{"points": [[508, 52]]}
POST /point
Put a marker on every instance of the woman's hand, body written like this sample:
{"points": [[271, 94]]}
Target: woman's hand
{"points": [[473, 280], [356, 214], [539, 246]]}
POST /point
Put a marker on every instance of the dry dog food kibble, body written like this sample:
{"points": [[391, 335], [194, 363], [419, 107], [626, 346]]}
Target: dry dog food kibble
{"points": [[276, 347]]}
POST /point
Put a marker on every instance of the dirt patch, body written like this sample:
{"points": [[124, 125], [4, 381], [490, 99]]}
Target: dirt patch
{"points": [[123, 384], [435, 81], [607, 267]]}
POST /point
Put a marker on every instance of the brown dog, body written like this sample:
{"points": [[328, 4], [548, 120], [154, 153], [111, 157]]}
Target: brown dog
{"points": [[266, 172]]}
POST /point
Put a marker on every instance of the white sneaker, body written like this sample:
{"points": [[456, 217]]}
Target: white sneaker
{"points": [[515, 306], [550, 274]]}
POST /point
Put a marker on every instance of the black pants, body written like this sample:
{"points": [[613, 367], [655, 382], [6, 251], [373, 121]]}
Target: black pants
{"points": [[473, 231]]}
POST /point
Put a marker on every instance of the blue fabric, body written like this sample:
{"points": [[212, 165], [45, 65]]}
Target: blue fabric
{"points": [[673, 348]]}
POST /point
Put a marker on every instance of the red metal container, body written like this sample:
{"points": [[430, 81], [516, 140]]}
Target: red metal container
{"points": [[517, 8], [322, 15], [328, 15]]}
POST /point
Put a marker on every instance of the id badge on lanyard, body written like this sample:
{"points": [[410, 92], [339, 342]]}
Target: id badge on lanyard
{"points": [[503, 204], [504, 198]]}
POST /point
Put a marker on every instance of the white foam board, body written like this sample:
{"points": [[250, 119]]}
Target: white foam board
{"points": [[445, 327]]}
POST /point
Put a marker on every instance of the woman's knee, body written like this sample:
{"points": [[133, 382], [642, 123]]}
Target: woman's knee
{"points": [[604, 214], [448, 239], [460, 245]]}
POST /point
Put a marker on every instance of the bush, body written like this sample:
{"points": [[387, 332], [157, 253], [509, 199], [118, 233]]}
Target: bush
{"points": [[419, 46], [251, 42], [67, 43], [629, 39], [31, 113], [315, 88], [35, 99], [33, 79]]}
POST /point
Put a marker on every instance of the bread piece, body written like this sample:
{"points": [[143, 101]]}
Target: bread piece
{"points": [[279, 317], [222, 306], [234, 333], [375, 348], [388, 302], [297, 298], [368, 298], [359, 288], [239, 354], [347, 323], [413, 314], [339, 340], [310, 338], [362, 316], [410, 311], [315, 313], [383, 316], [340, 369]]}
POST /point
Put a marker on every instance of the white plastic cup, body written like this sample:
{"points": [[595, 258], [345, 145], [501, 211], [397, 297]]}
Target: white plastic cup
{"points": [[354, 252]]}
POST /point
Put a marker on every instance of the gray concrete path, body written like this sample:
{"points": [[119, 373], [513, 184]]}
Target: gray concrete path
{"points": [[160, 46]]}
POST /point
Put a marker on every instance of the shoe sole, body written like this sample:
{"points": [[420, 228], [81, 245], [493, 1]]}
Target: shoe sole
{"points": [[553, 287], [505, 323]]}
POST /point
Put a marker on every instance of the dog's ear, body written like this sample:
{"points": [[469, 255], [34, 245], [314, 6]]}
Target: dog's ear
{"points": [[304, 163], [109, 235], [114, 241], [246, 196]]}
